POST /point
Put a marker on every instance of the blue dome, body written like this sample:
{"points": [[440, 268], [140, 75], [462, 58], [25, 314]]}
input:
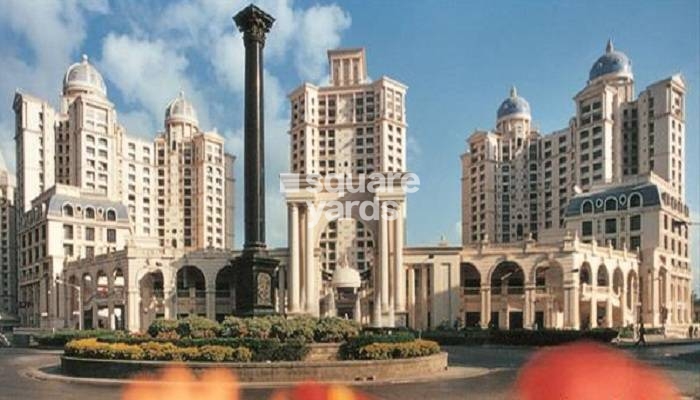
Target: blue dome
{"points": [[513, 105], [612, 62]]}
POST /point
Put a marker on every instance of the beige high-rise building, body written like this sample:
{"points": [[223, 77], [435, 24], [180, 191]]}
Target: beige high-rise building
{"points": [[170, 192], [352, 128], [615, 170], [8, 245]]}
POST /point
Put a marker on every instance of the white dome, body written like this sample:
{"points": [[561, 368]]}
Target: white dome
{"points": [[82, 77], [346, 277], [182, 110]]}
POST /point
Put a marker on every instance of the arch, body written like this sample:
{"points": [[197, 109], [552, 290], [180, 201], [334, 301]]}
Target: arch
{"points": [[102, 283], [152, 296], [635, 200], [225, 282], [618, 281], [111, 215], [587, 207], [632, 289], [602, 277], [87, 287], [470, 278], [548, 274], [190, 278], [585, 273], [611, 204], [508, 276], [89, 212], [67, 210], [118, 277]]}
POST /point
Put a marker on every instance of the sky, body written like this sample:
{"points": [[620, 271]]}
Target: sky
{"points": [[458, 59]]}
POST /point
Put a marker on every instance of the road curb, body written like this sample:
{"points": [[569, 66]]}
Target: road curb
{"points": [[451, 373]]}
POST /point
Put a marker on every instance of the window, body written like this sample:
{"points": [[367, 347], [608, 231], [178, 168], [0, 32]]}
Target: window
{"points": [[635, 200], [68, 210], [67, 250], [610, 225], [587, 207], [635, 242], [89, 251], [610, 204], [111, 215], [635, 223], [90, 234], [89, 212], [111, 235], [587, 228], [68, 232]]}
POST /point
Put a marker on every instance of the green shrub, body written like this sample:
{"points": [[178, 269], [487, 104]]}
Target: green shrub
{"points": [[350, 350], [255, 327], [60, 338], [162, 327], [155, 351], [333, 330], [222, 353], [198, 327], [91, 348], [299, 328], [387, 351]]}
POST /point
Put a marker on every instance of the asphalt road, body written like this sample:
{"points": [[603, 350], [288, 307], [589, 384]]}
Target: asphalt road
{"points": [[503, 361]]}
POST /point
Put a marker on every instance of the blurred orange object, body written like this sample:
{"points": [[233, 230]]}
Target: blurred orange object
{"points": [[318, 391], [588, 371], [178, 383]]}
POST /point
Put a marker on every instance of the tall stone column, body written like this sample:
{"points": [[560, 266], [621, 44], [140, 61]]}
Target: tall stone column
{"points": [[528, 309], [608, 311], [384, 259], [400, 274], [294, 250], [623, 305], [254, 268], [655, 283], [423, 316], [576, 307], [311, 292], [210, 301], [133, 316], [411, 307], [485, 306]]}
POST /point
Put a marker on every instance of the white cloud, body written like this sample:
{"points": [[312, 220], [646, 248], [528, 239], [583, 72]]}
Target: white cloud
{"points": [[319, 30], [149, 73]]}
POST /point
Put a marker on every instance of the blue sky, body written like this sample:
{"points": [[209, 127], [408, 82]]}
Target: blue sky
{"points": [[458, 58]]}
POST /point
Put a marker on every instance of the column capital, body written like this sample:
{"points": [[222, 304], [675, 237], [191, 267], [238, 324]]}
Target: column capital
{"points": [[254, 23]]}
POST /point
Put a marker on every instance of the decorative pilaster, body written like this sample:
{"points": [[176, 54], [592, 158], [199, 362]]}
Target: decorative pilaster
{"points": [[400, 274], [294, 251]]}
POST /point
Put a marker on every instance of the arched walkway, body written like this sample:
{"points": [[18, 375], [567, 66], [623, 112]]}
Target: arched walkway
{"points": [[548, 298], [225, 292], [191, 292], [152, 298], [470, 281], [507, 304]]}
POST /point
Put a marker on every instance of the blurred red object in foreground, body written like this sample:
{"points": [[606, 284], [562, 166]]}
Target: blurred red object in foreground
{"points": [[178, 383], [318, 391], [588, 371]]}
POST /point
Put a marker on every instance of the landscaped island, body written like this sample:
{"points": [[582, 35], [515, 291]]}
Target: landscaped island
{"points": [[271, 348]]}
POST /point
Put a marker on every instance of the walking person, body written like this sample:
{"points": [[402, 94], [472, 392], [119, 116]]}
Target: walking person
{"points": [[642, 339]]}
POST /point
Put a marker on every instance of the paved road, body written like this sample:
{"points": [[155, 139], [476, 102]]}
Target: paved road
{"points": [[503, 360]]}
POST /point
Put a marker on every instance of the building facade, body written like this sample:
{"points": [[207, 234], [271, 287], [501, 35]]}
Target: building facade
{"points": [[552, 224], [615, 170], [115, 188], [8, 246]]}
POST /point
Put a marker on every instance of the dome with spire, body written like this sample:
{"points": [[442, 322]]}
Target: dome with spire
{"points": [[84, 77], [612, 62], [181, 109], [514, 105]]}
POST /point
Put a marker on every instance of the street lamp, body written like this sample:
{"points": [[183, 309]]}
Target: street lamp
{"points": [[78, 289]]}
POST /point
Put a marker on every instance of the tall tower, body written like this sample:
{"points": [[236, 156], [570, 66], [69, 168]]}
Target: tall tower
{"points": [[8, 244], [353, 128]]}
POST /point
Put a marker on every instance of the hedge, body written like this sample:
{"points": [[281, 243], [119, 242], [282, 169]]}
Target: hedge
{"points": [[350, 350], [519, 337], [262, 349], [91, 348], [60, 338], [387, 351]]}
